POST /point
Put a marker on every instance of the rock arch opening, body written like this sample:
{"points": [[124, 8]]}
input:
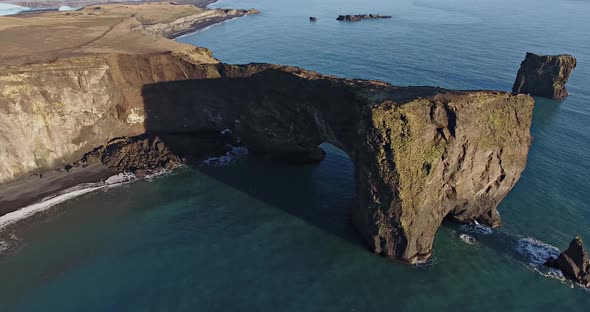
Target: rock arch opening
{"points": [[419, 153]]}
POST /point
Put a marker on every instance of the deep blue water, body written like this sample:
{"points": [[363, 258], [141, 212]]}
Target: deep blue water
{"points": [[257, 235]]}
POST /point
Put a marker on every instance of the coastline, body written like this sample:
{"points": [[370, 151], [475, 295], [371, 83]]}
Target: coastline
{"points": [[202, 26], [37, 188], [29, 190]]}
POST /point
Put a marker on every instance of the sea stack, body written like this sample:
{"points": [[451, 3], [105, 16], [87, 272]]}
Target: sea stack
{"points": [[544, 75], [360, 17], [574, 263]]}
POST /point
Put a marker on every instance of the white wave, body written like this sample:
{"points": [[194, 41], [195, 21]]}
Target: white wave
{"points": [[536, 252], [231, 156], [15, 216], [468, 239], [553, 274], [8, 9], [48, 202]]}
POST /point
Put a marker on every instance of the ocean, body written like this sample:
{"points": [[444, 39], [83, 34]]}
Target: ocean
{"points": [[252, 234]]}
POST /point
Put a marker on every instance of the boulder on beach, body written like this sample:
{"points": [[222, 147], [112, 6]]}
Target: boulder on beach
{"points": [[573, 262], [544, 75]]}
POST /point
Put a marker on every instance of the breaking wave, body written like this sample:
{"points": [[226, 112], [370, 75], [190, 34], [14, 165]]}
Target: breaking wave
{"points": [[535, 251], [65, 195], [531, 252], [234, 154]]}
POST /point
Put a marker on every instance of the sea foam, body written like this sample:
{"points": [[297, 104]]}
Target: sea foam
{"points": [[535, 251], [48, 202]]}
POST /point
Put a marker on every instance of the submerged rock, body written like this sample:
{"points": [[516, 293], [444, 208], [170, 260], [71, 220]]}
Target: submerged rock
{"points": [[360, 17], [573, 262], [544, 75]]}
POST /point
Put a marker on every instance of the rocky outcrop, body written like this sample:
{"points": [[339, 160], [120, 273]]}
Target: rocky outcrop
{"points": [[421, 154], [147, 153], [139, 155], [544, 75], [573, 262], [360, 17]]}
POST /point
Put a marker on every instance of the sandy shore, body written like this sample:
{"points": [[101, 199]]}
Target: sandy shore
{"points": [[28, 190]]}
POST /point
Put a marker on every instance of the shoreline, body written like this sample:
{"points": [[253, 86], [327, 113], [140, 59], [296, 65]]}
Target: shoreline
{"points": [[32, 189], [38, 187], [202, 27]]}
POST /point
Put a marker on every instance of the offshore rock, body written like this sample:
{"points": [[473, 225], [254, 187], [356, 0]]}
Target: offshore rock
{"points": [[573, 262], [360, 17], [421, 154], [544, 75]]}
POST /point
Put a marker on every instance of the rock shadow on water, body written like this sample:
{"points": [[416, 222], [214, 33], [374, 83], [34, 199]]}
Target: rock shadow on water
{"points": [[286, 149]]}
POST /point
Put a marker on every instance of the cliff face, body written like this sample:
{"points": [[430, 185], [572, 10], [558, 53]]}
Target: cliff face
{"points": [[421, 154]]}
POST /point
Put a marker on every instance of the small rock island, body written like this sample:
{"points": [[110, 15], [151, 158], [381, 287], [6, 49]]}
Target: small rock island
{"points": [[360, 17], [544, 75], [574, 263]]}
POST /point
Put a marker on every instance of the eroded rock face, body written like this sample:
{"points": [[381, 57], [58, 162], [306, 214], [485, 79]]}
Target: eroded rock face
{"points": [[544, 75], [573, 262], [421, 154]]}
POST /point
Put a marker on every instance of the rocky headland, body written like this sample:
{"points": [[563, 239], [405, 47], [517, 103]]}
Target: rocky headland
{"points": [[573, 262], [544, 75], [130, 100], [360, 17]]}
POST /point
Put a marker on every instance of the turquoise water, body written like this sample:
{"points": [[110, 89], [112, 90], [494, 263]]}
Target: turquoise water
{"points": [[257, 235]]}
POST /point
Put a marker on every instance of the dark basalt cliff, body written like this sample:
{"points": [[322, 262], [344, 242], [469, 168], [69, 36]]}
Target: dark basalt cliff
{"points": [[421, 154], [573, 262], [544, 75]]}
